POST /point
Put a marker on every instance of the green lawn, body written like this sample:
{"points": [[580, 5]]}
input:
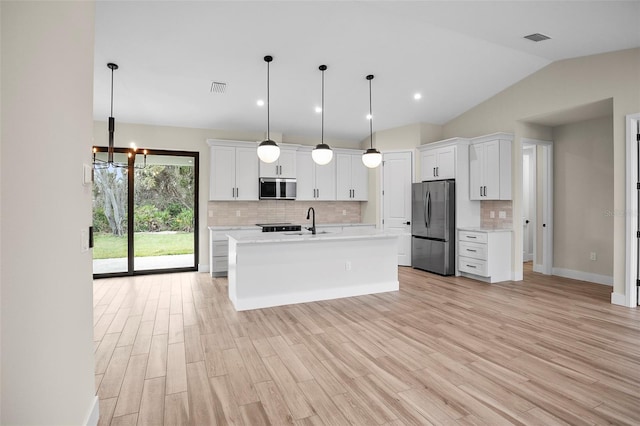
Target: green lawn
{"points": [[107, 246]]}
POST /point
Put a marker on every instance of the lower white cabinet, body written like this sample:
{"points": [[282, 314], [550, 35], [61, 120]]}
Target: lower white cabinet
{"points": [[485, 254], [219, 248]]}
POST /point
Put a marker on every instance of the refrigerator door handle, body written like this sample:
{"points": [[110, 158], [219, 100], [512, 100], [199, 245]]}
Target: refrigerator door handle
{"points": [[426, 217], [428, 209]]}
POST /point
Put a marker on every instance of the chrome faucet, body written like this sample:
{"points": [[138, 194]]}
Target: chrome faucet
{"points": [[313, 224]]}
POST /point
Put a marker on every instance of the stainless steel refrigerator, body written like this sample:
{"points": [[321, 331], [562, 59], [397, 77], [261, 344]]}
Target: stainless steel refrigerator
{"points": [[433, 226]]}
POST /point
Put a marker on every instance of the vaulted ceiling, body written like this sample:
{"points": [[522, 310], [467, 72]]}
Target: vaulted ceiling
{"points": [[455, 54]]}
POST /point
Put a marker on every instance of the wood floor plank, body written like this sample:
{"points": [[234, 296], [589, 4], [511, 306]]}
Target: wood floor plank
{"points": [[157, 365], [113, 376], [132, 384], [106, 410], [176, 369], [204, 406], [273, 403], [176, 328], [152, 402], [176, 409], [287, 385], [254, 414], [241, 384]]}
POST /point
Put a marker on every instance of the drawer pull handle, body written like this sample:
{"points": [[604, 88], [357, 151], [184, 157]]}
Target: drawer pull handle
{"points": [[471, 266], [472, 250], [472, 237]]}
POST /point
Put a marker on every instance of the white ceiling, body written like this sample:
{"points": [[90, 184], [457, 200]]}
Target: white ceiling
{"points": [[456, 54]]}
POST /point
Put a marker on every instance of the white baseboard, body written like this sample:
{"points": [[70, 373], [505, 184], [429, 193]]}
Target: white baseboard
{"points": [[618, 299], [94, 413], [203, 268], [538, 268], [583, 276]]}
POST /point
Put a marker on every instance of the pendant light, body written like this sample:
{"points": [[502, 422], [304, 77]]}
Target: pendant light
{"points": [[101, 164], [322, 153], [268, 150], [372, 157]]}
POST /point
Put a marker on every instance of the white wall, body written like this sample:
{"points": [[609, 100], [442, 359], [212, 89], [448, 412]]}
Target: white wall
{"points": [[46, 316]]}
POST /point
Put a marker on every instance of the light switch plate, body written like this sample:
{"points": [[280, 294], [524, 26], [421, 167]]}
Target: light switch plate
{"points": [[502, 214], [84, 240], [87, 174]]}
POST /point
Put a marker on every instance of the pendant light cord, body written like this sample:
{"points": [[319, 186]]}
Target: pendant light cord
{"points": [[370, 115], [322, 107], [268, 118], [111, 92]]}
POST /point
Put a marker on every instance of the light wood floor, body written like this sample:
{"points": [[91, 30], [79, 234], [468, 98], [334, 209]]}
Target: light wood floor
{"points": [[170, 349]]}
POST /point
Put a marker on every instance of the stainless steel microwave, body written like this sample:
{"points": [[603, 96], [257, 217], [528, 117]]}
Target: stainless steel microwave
{"points": [[277, 189]]}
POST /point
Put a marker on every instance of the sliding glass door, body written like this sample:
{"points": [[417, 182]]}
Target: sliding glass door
{"points": [[156, 202]]}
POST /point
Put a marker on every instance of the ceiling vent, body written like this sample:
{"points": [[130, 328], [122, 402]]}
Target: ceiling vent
{"points": [[217, 87], [537, 37]]}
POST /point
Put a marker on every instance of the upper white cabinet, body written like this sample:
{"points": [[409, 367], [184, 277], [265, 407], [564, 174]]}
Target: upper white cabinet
{"points": [[438, 163], [315, 182], [352, 177], [490, 167], [284, 166], [234, 171]]}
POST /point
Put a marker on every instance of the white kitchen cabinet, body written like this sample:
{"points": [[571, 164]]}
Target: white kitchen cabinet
{"points": [[490, 169], [219, 247], [485, 254], [352, 177], [283, 167], [234, 173], [315, 182], [438, 163]]}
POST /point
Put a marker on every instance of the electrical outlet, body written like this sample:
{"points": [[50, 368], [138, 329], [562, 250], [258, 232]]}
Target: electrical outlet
{"points": [[347, 265], [593, 256], [210, 213], [502, 214], [84, 240], [344, 212], [237, 213], [492, 214]]}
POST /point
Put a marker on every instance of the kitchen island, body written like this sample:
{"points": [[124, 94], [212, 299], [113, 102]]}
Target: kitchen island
{"points": [[273, 269]]}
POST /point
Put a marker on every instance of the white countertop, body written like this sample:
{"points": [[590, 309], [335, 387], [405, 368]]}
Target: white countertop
{"points": [[480, 229], [290, 237], [303, 224]]}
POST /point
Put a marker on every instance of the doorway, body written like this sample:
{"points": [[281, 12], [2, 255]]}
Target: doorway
{"points": [[537, 204], [397, 176], [145, 214]]}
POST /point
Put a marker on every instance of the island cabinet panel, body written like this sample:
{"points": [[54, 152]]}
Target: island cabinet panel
{"points": [[315, 182], [352, 177], [275, 270], [233, 174], [490, 170], [284, 167]]}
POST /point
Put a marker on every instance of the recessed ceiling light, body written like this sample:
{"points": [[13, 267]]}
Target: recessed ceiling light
{"points": [[417, 96], [260, 102], [369, 116], [318, 109]]}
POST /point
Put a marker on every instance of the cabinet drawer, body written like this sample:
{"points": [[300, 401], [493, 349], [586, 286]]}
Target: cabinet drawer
{"points": [[220, 248], [472, 266], [220, 264], [474, 250], [476, 237]]}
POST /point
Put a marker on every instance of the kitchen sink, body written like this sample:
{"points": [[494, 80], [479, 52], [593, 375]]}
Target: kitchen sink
{"points": [[307, 233]]}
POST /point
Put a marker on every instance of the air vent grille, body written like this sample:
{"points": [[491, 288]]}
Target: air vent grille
{"points": [[537, 37], [218, 87]]}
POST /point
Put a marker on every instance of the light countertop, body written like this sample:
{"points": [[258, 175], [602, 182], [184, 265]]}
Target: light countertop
{"points": [[291, 237], [302, 223], [480, 229]]}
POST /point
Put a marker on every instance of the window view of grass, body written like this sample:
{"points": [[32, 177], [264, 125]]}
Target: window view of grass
{"points": [[109, 246]]}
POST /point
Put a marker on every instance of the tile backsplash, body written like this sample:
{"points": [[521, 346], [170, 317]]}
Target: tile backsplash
{"points": [[496, 206], [242, 213]]}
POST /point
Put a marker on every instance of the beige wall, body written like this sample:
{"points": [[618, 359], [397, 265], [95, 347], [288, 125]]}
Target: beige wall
{"points": [[583, 196], [188, 139], [47, 293], [560, 86]]}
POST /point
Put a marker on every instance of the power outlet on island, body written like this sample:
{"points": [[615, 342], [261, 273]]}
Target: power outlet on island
{"points": [[593, 256], [347, 265]]}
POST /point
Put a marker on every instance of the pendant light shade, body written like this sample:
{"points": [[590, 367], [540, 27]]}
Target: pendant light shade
{"points": [[322, 153], [268, 150], [372, 157]]}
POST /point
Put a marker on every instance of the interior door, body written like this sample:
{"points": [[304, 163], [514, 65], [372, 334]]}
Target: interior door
{"points": [[397, 172]]}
